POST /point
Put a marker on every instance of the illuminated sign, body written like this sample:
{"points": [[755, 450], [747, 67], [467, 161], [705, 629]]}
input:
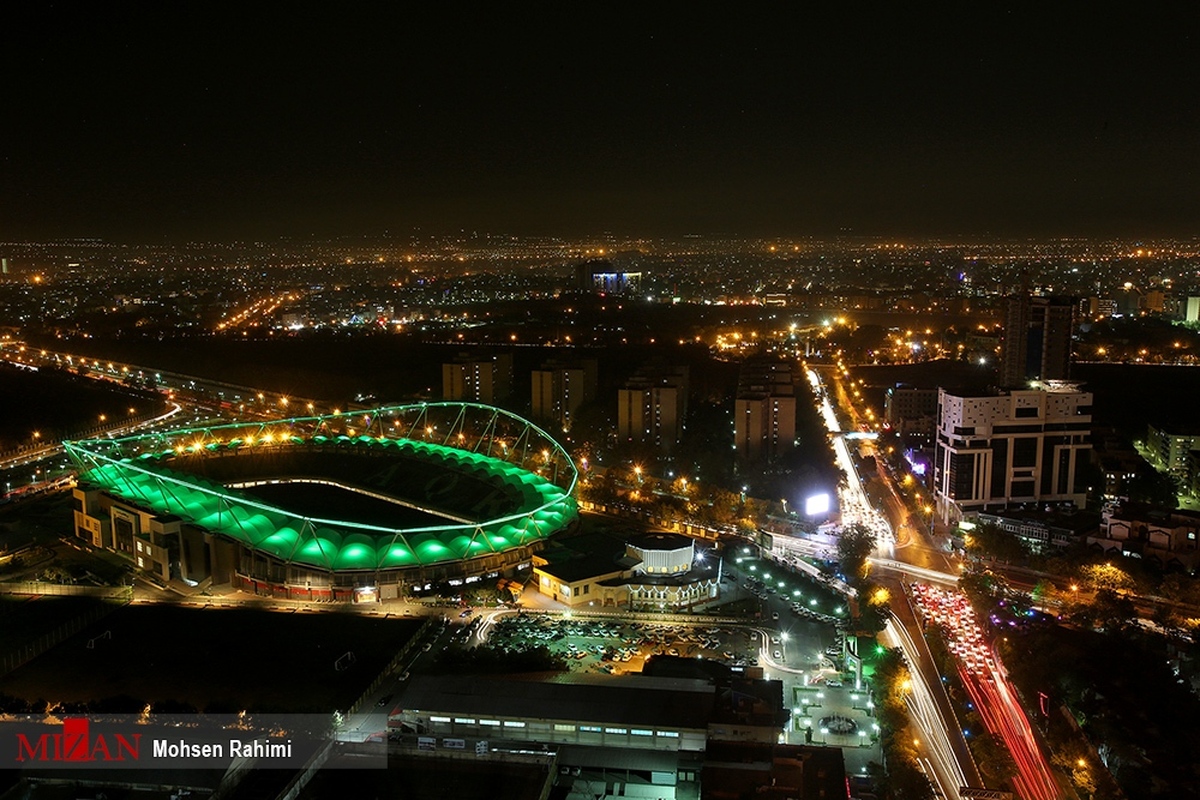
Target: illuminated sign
{"points": [[816, 505]]}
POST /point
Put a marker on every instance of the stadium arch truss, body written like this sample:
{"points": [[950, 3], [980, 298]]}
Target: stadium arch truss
{"points": [[522, 480]]}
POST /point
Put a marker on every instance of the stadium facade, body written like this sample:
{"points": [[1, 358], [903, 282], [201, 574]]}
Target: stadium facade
{"points": [[345, 506]]}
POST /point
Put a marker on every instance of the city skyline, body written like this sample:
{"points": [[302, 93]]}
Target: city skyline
{"points": [[179, 123], [676, 401]]}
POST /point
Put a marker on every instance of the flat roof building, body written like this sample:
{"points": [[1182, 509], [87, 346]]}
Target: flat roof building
{"points": [[651, 407], [639, 735], [559, 389], [910, 411], [1043, 530], [1018, 446], [764, 419], [1169, 446], [627, 711], [478, 378], [1037, 339], [650, 571]]}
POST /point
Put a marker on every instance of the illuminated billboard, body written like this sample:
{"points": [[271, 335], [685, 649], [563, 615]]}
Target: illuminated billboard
{"points": [[817, 505]]}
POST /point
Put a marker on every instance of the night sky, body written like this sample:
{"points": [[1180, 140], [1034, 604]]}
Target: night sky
{"points": [[170, 121]]}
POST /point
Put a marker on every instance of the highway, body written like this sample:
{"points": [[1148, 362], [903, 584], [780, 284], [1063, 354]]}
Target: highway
{"points": [[853, 503], [936, 757], [54, 449], [941, 739], [207, 393], [944, 755], [987, 685], [996, 700]]}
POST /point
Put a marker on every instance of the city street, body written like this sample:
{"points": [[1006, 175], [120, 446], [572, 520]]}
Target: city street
{"points": [[986, 683]]}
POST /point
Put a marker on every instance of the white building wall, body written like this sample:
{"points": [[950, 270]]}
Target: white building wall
{"points": [[983, 435]]}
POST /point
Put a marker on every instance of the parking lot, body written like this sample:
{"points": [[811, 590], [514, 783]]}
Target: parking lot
{"points": [[613, 646], [786, 593]]}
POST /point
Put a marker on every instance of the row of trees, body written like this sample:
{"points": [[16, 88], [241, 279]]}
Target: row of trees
{"points": [[855, 544], [1087, 577], [1068, 665], [674, 498]]}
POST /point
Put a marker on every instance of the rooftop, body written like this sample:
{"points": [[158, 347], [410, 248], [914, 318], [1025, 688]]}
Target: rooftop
{"points": [[661, 541], [586, 556], [604, 699]]}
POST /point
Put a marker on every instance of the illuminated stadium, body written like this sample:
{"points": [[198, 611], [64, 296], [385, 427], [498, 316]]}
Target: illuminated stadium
{"points": [[362, 504]]}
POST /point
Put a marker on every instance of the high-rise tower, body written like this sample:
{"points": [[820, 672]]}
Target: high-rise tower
{"points": [[1037, 339]]}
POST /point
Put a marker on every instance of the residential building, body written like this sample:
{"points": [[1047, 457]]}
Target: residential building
{"points": [[910, 411], [560, 388], [1094, 307], [1019, 446], [764, 411], [1037, 339], [1169, 447], [478, 378], [1191, 312], [1155, 300], [1118, 461], [1169, 538], [652, 406]]}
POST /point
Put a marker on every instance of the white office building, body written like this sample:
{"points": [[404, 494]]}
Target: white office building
{"points": [[1022, 446]]}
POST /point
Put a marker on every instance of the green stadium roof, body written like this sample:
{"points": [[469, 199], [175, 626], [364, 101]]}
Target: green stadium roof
{"points": [[139, 470]]}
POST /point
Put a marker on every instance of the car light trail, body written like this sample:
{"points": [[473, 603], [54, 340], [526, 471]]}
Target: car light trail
{"points": [[852, 498], [989, 689], [943, 765]]}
